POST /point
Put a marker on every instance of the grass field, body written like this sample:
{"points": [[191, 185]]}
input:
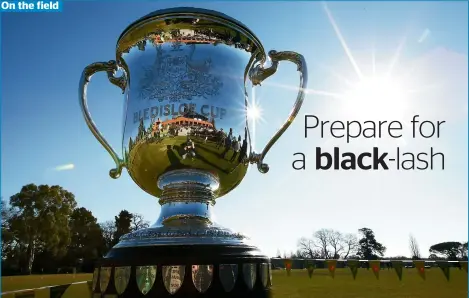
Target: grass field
{"points": [[298, 285]]}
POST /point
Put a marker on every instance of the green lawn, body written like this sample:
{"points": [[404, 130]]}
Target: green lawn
{"points": [[366, 286], [12, 283], [299, 285]]}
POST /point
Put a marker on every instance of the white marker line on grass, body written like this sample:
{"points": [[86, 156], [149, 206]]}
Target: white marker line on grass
{"points": [[41, 288]]}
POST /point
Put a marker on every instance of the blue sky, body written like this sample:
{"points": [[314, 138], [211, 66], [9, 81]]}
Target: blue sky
{"points": [[43, 56]]}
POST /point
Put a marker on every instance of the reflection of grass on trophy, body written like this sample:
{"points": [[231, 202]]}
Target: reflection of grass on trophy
{"points": [[148, 160]]}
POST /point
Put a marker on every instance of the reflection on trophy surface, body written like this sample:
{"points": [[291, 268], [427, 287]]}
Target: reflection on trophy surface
{"points": [[187, 80], [173, 276], [202, 277]]}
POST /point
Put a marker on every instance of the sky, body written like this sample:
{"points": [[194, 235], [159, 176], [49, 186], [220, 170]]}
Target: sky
{"points": [[419, 48]]}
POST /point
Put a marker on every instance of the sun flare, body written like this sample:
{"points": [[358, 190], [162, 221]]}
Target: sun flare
{"points": [[254, 112], [376, 97]]}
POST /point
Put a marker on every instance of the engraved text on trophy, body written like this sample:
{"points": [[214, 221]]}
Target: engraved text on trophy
{"points": [[177, 76]]}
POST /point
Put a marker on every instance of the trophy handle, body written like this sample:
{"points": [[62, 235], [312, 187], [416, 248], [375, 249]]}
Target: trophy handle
{"points": [[110, 68], [257, 75]]}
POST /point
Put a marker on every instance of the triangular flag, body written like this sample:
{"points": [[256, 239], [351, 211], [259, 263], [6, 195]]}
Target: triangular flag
{"points": [[310, 268], [420, 265], [397, 265], [353, 265], [288, 264], [463, 265], [375, 267], [58, 291], [331, 265], [25, 294], [445, 268]]}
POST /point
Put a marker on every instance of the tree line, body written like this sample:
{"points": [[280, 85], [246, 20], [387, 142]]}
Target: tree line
{"points": [[332, 244], [45, 231]]}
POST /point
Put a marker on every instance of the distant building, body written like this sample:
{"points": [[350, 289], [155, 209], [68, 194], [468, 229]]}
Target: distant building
{"points": [[188, 119]]}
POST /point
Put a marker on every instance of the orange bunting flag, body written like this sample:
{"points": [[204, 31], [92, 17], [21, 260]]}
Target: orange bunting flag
{"points": [[331, 265], [463, 265], [288, 264], [353, 265], [375, 267], [420, 265], [397, 265]]}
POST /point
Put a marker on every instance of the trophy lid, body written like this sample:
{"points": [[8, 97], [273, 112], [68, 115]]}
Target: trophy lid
{"points": [[132, 31]]}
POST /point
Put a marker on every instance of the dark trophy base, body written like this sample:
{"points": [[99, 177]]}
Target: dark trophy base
{"points": [[249, 273]]}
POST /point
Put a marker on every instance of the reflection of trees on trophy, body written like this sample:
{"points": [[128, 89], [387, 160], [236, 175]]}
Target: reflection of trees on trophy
{"points": [[228, 143], [221, 138], [141, 131], [236, 148], [141, 45], [244, 147], [228, 38]]}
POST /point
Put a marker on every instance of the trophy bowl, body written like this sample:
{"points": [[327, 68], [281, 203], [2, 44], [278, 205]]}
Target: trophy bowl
{"points": [[187, 76]]}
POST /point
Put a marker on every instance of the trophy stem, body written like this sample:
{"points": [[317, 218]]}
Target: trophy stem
{"points": [[188, 197]]}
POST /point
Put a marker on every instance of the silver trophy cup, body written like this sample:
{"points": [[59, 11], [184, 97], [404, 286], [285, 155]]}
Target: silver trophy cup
{"points": [[187, 75]]}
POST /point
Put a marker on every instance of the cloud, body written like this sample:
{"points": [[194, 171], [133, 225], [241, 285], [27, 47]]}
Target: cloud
{"points": [[66, 167]]}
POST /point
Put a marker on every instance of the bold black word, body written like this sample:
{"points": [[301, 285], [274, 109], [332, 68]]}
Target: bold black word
{"points": [[350, 161]]}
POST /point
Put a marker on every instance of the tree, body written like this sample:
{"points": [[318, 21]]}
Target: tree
{"points": [[463, 251], [335, 240], [369, 248], [299, 254], [321, 240], [434, 257], [450, 250], [86, 235], [350, 245], [138, 222], [7, 233], [41, 220], [328, 243], [306, 247], [108, 230], [414, 248], [123, 224]]}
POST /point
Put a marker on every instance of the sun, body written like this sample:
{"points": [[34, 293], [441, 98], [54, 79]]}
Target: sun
{"points": [[254, 112]]}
